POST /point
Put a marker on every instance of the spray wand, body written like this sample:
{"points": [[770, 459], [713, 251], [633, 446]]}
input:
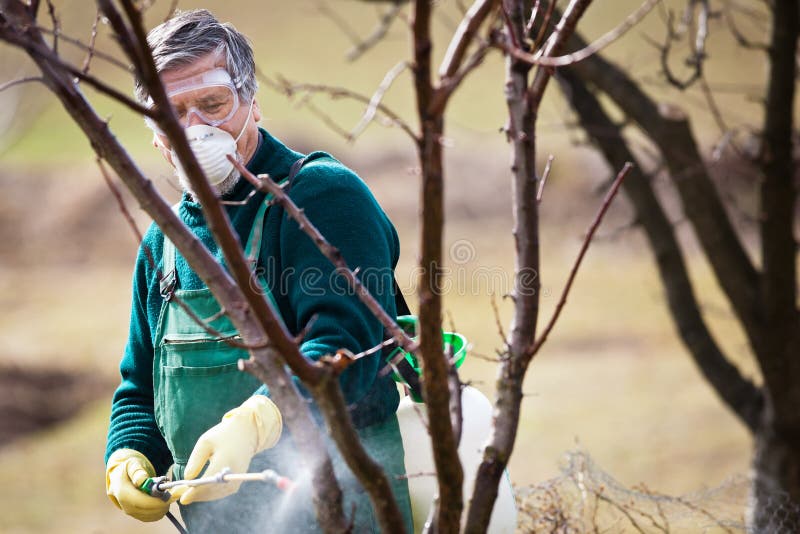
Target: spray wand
{"points": [[159, 486]]}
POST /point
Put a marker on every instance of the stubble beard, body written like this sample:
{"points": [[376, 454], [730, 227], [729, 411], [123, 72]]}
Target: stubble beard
{"points": [[221, 189]]}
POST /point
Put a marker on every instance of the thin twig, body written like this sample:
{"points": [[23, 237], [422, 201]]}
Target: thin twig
{"points": [[537, 43], [485, 357], [532, 20], [306, 101], [741, 40], [697, 45], [92, 40], [375, 101], [634, 524], [372, 350], [86, 48], [587, 240], [205, 324], [124, 209], [716, 113], [498, 322], [455, 386], [242, 202], [34, 8], [291, 89], [464, 36], [173, 7], [449, 85], [543, 179], [451, 321], [46, 54], [510, 27], [51, 11], [11, 83], [377, 34], [568, 59]]}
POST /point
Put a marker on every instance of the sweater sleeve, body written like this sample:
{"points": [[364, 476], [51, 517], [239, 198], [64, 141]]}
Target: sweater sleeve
{"points": [[343, 209], [133, 424]]}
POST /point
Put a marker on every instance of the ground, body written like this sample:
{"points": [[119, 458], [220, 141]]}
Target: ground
{"points": [[33, 399]]}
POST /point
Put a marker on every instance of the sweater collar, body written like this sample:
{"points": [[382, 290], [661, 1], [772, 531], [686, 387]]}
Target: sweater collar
{"points": [[271, 157]]}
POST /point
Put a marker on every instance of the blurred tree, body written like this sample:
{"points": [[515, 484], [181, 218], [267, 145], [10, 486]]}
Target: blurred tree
{"points": [[763, 299]]}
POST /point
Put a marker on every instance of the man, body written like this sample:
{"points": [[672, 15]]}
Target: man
{"points": [[182, 405]]}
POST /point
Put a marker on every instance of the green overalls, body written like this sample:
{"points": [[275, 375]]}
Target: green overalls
{"points": [[196, 380]]}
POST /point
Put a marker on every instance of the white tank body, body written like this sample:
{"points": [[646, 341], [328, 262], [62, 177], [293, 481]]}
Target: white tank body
{"points": [[477, 413]]}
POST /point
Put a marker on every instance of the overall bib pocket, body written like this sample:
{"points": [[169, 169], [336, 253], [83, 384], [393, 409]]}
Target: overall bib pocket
{"points": [[197, 383]]}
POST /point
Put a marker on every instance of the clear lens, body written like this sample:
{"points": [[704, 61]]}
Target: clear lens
{"points": [[210, 97]]}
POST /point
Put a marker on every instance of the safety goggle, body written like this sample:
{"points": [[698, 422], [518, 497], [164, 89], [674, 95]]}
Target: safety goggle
{"points": [[211, 96]]}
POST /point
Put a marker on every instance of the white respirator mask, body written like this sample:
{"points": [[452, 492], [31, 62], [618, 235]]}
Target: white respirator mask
{"points": [[211, 146], [213, 98]]}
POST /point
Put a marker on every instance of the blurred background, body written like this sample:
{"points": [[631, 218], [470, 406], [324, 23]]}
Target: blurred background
{"points": [[613, 379]]}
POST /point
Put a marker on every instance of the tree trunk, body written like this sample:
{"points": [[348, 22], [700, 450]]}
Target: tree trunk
{"points": [[776, 482]]}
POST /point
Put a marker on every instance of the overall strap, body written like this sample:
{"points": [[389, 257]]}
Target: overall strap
{"points": [[168, 276], [296, 166], [253, 247]]}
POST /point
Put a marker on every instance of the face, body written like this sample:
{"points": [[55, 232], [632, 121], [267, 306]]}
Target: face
{"points": [[199, 105]]}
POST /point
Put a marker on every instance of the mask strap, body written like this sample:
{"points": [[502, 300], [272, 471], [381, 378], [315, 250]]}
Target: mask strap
{"points": [[249, 113]]}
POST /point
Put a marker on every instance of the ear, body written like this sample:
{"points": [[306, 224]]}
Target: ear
{"points": [[256, 111], [166, 152]]}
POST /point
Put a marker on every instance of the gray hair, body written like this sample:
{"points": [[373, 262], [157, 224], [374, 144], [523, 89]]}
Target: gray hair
{"points": [[190, 35]]}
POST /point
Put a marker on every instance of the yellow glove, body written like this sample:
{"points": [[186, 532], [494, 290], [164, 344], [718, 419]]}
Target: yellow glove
{"points": [[244, 431], [126, 471]]}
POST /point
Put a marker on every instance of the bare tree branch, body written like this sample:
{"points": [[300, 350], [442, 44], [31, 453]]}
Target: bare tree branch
{"points": [[368, 472], [556, 41], [548, 15], [434, 378], [560, 61], [377, 34], [464, 36], [733, 27], [92, 38], [543, 179], [51, 12], [19, 81], [265, 184], [173, 8], [739, 393], [449, 85], [41, 51], [532, 20], [670, 130], [612, 192], [87, 48], [696, 45], [291, 89], [375, 101]]}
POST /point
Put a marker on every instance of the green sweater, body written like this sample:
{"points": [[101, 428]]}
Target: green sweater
{"points": [[302, 280]]}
